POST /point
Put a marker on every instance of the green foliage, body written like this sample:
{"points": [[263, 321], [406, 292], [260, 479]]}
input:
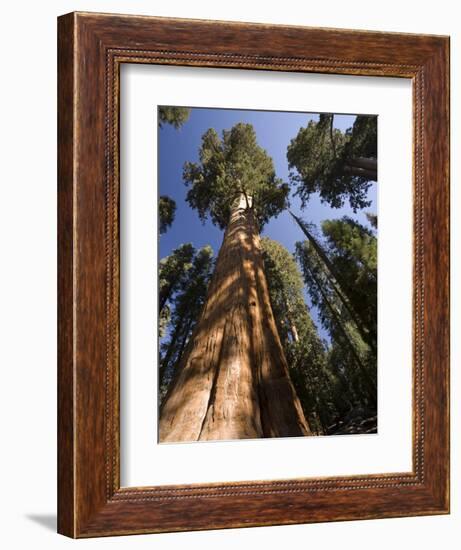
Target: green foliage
{"points": [[164, 320], [228, 167], [334, 164], [176, 116], [186, 306], [351, 360], [353, 242], [362, 138], [285, 285], [353, 251], [343, 286], [172, 271], [357, 378], [166, 212]]}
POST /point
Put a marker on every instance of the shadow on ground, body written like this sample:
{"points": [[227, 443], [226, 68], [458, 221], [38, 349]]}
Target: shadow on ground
{"points": [[48, 521]]}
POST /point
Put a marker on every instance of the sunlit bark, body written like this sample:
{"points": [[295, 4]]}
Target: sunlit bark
{"points": [[232, 381]]}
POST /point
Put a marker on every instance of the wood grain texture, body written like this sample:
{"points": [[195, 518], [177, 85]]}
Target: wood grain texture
{"points": [[91, 48], [66, 511]]}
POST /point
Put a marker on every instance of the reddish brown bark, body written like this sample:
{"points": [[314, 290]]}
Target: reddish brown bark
{"points": [[233, 380]]}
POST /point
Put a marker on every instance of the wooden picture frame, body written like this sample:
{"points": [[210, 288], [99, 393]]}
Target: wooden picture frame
{"points": [[91, 50]]}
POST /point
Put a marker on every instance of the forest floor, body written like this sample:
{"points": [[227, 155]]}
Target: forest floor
{"points": [[357, 421]]}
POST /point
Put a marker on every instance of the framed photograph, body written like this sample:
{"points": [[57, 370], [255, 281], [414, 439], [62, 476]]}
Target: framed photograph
{"points": [[253, 258]]}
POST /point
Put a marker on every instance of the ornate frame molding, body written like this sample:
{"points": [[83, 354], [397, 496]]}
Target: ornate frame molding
{"points": [[91, 49]]}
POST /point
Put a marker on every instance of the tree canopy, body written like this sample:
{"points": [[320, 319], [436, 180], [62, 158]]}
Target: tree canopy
{"points": [[338, 165], [349, 260], [166, 213], [176, 116], [229, 166]]}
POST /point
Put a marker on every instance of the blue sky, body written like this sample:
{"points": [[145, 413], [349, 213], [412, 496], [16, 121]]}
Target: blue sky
{"points": [[274, 130]]}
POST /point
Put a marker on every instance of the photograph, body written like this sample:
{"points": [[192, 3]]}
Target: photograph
{"points": [[267, 274]]}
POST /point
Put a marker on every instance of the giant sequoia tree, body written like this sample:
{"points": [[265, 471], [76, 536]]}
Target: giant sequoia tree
{"points": [[339, 166], [233, 380]]}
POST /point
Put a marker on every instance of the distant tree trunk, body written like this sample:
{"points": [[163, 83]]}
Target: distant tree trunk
{"points": [[164, 294], [232, 381], [171, 348], [294, 332], [292, 325], [176, 348]]}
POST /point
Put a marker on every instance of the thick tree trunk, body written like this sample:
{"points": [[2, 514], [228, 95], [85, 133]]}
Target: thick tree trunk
{"points": [[232, 381], [365, 163], [364, 167]]}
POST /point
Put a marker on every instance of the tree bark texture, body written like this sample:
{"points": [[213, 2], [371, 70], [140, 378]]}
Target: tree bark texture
{"points": [[365, 163], [366, 168], [233, 381]]}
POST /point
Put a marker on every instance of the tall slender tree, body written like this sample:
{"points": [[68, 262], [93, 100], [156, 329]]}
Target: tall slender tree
{"points": [[339, 275], [186, 308], [172, 271], [352, 249], [353, 360], [233, 379]]}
